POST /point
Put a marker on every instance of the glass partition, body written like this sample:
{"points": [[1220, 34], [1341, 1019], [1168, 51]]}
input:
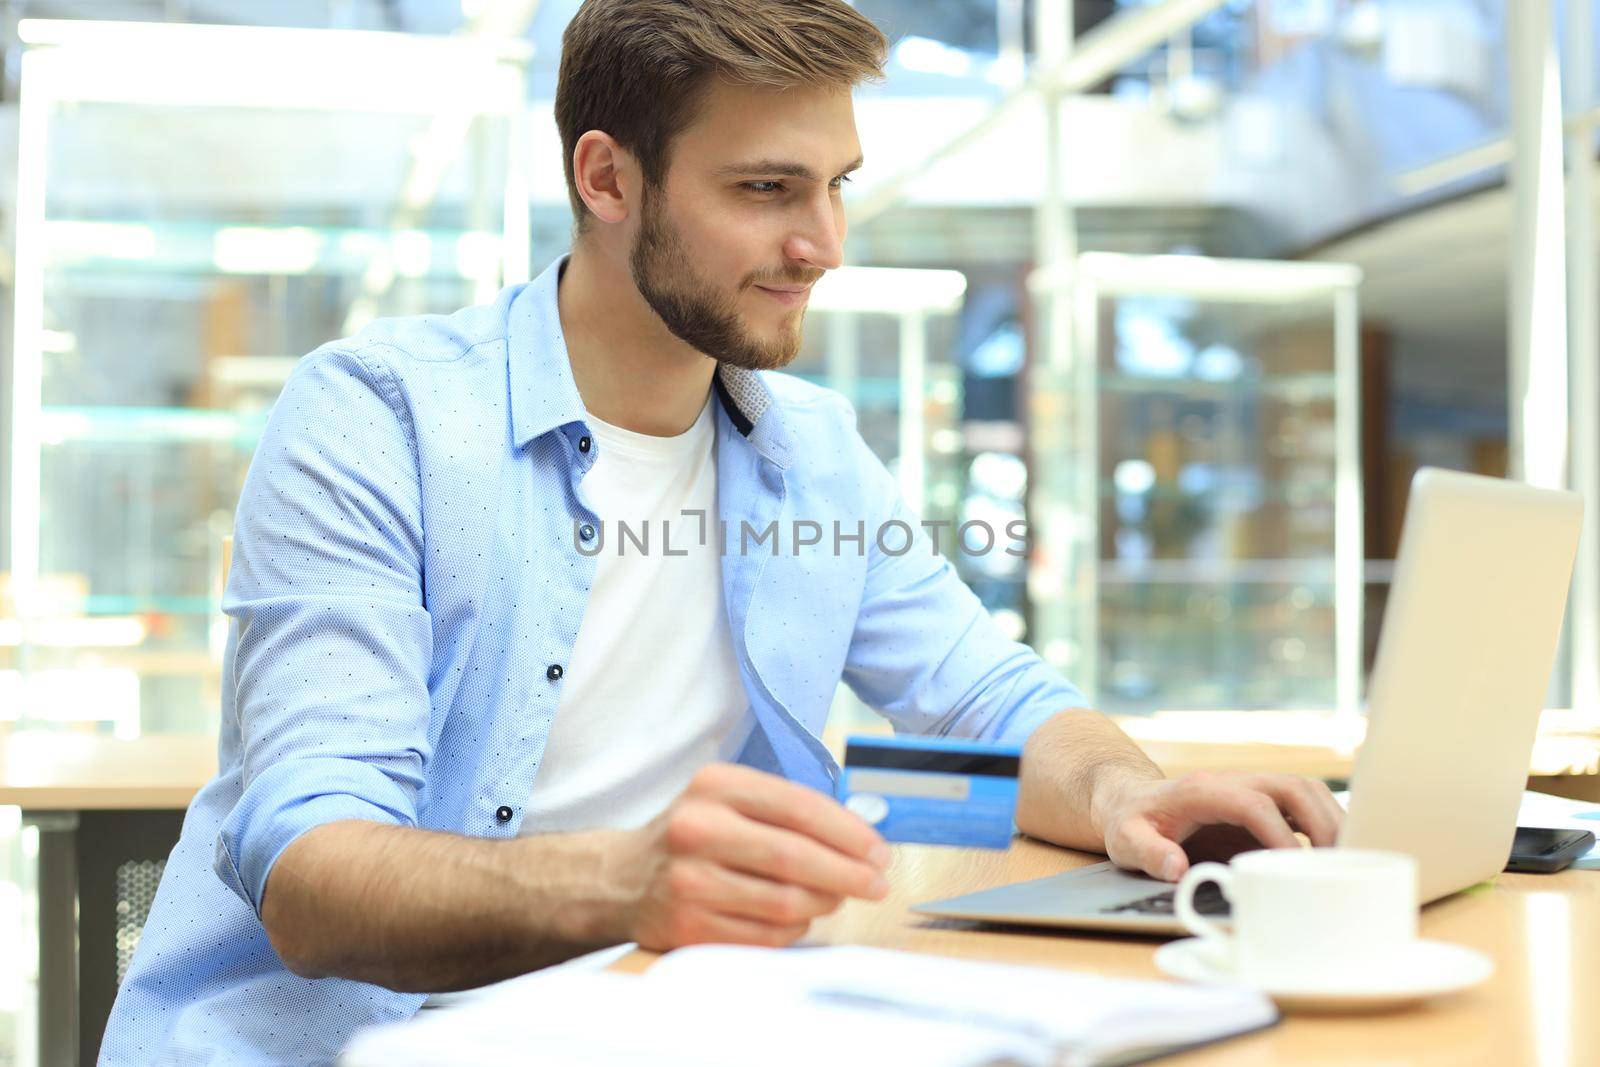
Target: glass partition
{"points": [[193, 215], [1196, 504]]}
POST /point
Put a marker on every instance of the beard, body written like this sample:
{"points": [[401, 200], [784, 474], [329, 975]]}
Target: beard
{"points": [[698, 313]]}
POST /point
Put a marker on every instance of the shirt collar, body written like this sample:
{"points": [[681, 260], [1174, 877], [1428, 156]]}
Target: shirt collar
{"points": [[544, 395]]}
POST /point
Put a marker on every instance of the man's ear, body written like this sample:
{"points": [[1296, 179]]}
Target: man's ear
{"points": [[607, 176]]}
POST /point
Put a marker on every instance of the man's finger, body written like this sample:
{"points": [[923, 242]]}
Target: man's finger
{"points": [[699, 926], [1296, 797], [1331, 803], [786, 857], [1221, 800], [1140, 846], [731, 892], [774, 800], [732, 930]]}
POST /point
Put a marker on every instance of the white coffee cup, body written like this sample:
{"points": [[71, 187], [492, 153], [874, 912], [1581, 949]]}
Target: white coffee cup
{"points": [[1323, 916]]}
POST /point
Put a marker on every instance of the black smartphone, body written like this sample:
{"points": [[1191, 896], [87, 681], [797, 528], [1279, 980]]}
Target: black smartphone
{"points": [[1547, 851]]}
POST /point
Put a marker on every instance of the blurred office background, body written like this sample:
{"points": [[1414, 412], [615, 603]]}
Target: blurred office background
{"points": [[1191, 286]]}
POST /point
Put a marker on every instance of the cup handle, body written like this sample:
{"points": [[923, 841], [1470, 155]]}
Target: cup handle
{"points": [[1183, 900]]}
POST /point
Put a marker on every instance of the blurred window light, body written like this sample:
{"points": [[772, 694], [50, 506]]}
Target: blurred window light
{"points": [[75, 240], [1299, 18], [944, 496], [1288, 649], [1060, 652], [1198, 479], [894, 290], [66, 694], [1361, 27], [1009, 622], [1132, 90], [1132, 545], [1149, 345], [927, 56], [1218, 363], [999, 355], [478, 254], [255, 250], [413, 253], [190, 64], [57, 342], [1007, 71], [1134, 477], [1436, 46], [1194, 97], [359, 246], [998, 474], [1207, 278], [73, 633]]}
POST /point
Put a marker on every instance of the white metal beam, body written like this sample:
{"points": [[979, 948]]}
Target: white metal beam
{"points": [[1349, 547], [1071, 611], [442, 144], [1538, 294], [1116, 42], [1090, 60]]}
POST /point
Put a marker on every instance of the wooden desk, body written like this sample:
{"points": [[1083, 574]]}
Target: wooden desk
{"points": [[91, 794], [1543, 932], [62, 771]]}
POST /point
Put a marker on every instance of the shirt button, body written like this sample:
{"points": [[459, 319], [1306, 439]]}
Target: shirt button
{"points": [[554, 672], [583, 444], [503, 813], [586, 532]]}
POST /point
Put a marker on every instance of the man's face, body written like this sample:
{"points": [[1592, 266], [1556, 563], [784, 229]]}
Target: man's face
{"points": [[748, 217]]}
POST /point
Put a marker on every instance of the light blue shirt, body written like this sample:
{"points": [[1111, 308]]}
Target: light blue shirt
{"points": [[407, 575]]}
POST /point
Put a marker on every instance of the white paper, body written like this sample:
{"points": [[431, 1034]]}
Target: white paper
{"points": [[728, 1006], [611, 1020], [1085, 1015]]}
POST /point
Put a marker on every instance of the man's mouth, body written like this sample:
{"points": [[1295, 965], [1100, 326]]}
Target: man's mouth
{"points": [[787, 294]]}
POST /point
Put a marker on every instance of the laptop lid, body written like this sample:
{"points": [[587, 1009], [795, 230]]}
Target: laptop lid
{"points": [[1469, 639]]}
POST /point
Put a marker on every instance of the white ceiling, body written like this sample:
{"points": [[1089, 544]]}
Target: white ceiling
{"points": [[1438, 275]]}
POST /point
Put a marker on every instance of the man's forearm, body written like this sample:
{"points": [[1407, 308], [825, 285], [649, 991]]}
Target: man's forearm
{"points": [[1073, 768], [423, 911]]}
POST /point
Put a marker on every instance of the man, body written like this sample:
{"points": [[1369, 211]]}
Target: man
{"points": [[467, 734]]}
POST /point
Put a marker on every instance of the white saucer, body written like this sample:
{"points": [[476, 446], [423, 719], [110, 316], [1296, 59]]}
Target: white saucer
{"points": [[1420, 970]]}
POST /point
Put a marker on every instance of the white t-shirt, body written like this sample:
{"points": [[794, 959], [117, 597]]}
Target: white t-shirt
{"points": [[652, 692]]}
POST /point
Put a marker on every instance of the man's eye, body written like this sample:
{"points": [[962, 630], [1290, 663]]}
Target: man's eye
{"points": [[838, 183], [764, 187]]}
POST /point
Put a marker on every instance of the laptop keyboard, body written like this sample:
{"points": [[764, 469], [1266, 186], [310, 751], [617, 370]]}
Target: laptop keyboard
{"points": [[1208, 900]]}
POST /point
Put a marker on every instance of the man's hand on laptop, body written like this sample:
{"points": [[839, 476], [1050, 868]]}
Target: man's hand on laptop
{"points": [[747, 858], [1159, 826]]}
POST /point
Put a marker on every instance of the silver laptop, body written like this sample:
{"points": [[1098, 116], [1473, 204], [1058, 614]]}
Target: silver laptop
{"points": [[1469, 639]]}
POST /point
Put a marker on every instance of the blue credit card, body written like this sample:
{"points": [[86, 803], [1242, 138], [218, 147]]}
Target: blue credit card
{"points": [[933, 791]]}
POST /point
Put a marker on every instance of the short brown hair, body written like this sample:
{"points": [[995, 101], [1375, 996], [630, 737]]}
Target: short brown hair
{"points": [[636, 68]]}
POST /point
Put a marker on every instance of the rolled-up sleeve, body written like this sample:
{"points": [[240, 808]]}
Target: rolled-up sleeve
{"points": [[925, 652], [332, 641]]}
